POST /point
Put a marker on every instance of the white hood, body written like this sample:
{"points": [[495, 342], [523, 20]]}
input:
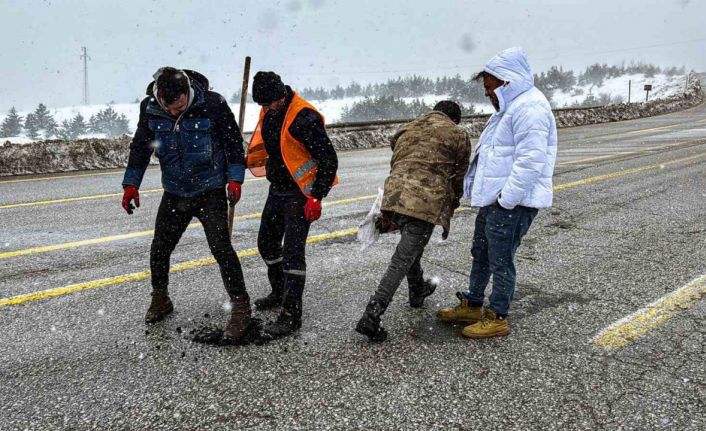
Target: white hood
{"points": [[511, 66]]}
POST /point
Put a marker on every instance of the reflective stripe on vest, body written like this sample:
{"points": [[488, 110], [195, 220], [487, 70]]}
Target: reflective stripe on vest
{"points": [[303, 169]]}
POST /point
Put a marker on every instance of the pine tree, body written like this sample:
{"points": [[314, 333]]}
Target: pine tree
{"points": [[109, 122], [12, 125], [42, 116], [31, 127], [72, 129], [43, 120], [51, 128], [78, 125], [65, 131]]}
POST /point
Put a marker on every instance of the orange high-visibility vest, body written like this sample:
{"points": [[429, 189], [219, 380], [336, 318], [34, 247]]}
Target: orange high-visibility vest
{"points": [[296, 157]]}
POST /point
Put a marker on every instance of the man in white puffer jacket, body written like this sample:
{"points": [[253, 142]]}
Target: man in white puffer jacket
{"points": [[509, 178]]}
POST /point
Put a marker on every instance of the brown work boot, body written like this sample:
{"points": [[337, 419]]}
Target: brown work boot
{"points": [[490, 326], [462, 313], [239, 320], [160, 307]]}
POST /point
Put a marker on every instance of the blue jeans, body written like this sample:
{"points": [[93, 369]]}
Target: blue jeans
{"points": [[497, 236]]}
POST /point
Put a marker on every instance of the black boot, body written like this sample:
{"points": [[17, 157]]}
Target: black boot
{"points": [[417, 294], [274, 299], [239, 320], [370, 325], [290, 318], [160, 307]]}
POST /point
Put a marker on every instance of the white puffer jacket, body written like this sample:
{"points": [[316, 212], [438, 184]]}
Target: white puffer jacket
{"points": [[514, 159]]}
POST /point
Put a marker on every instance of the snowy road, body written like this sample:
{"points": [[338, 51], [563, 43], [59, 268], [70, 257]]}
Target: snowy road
{"points": [[628, 227]]}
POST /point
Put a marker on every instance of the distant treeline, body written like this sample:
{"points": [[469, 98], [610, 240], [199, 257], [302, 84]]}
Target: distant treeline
{"points": [[41, 123], [384, 100], [390, 108], [465, 90]]}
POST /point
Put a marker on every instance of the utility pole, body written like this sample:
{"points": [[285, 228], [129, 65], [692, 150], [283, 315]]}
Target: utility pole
{"points": [[629, 89], [85, 57]]}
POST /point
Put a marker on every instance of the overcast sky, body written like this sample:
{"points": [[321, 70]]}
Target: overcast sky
{"points": [[320, 42]]}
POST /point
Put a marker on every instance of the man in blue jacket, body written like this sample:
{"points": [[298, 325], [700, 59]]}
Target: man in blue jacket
{"points": [[194, 135]]}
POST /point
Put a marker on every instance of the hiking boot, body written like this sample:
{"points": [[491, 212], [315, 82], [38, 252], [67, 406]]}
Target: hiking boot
{"points": [[239, 320], [370, 325], [490, 326], [287, 323], [462, 313], [160, 307], [418, 294], [268, 302]]}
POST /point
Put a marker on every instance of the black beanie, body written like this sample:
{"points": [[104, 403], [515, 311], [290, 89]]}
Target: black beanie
{"points": [[267, 87]]}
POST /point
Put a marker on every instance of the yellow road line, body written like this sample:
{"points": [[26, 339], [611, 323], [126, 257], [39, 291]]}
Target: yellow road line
{"points": [[61, 177], [138, 276], [593, 159], [86, 198], [645, 320], [619, 174], [105, 239], [64, 200], [207, 261], [652, 129], [625, 153]]}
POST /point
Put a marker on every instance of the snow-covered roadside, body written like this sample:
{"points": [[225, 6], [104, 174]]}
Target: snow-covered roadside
{"points": [[617, 88], [63, 156], [332, 110]]}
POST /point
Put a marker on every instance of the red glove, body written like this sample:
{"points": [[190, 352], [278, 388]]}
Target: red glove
{"points": [[130, 193], [312, 210], [234, 192]]}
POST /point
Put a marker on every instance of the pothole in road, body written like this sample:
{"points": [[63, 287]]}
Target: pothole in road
{"points": [[210, 333]]}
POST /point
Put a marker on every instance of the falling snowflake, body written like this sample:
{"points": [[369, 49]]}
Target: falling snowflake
{"points": [[100, 312], [227, 307]]}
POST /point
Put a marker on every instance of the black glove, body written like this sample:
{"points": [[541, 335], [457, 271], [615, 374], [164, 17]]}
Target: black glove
{"points": [[383, 224]]}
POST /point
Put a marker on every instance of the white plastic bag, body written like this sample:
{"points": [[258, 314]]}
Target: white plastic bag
{"points": [[367, 234]]}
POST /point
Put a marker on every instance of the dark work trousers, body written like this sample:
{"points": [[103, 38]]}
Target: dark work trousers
{"points": [[174, 215], [406, 261], [282, 245], [497, 236]]}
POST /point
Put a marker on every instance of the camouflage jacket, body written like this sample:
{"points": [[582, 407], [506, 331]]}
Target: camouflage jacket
{"points": [[430, 157]]}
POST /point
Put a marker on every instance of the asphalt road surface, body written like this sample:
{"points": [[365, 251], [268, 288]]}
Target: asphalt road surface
{"points": [[626, 232]]}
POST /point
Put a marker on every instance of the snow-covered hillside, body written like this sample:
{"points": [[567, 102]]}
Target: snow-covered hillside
{"points": [[617, 88]]}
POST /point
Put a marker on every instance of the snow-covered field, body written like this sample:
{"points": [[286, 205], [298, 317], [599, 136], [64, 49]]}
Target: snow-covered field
{"points": [[663, 86]]}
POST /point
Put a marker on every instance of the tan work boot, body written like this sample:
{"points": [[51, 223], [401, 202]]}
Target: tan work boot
{"points": [[462, 313], [239, 320], [160, 307], [490, 326]]}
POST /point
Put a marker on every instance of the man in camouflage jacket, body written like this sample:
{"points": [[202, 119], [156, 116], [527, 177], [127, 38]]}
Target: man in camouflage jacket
{"points": [[429, 160]]}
